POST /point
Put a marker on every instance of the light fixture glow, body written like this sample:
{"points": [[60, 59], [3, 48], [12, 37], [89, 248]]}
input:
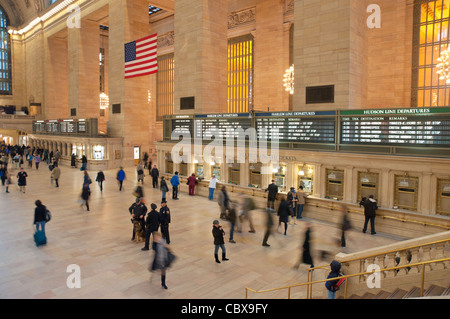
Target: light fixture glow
{"points": [[288, 80]]}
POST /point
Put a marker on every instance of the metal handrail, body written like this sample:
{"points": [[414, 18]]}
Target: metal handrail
{"points": [[382, 216], [350, 276]]}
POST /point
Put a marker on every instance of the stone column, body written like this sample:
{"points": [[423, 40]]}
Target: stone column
{"points": [[201, 54], [84, 70], [329, 49], [269, 47], [128, 22]]}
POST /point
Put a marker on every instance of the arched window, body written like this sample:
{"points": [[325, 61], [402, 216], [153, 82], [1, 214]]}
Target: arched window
{"points": [[5, 55]]}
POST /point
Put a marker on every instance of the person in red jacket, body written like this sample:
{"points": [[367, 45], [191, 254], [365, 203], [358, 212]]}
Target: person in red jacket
{"points": [[191, 182]]}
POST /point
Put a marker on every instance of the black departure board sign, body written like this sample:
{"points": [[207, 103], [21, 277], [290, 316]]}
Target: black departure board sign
{"points": [[182, 125], [209, 126], [297, 127], [397, 127], [81, 127]]}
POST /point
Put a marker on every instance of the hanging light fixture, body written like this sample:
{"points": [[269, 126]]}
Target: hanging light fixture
{"points": [[288, 80], [443, 66], [104, 101]]}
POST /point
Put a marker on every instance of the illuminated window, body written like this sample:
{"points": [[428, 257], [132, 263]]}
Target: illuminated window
{"points": [[431, 28], [165, 83], [240, 74], [152, 10], [5, 55]]}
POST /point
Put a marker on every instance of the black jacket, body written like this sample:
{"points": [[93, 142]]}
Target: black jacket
{"points": [[154, 173], [273, 191], [39, 214], [283, 211], [164, 217], [100, 177], [138, 210], [335, 272], [153, 220], [218, 235], [370, 207]]}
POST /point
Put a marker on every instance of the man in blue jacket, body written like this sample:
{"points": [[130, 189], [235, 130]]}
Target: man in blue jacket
{"points": [[120, 177], [175, 181]]}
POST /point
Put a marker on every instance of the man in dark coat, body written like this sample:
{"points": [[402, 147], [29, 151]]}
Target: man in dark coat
{"points": [[370, 208], [155, 174], [151, 225], [218, 234], [272, 196], [137, 211], [165, 221], [269, 225]]}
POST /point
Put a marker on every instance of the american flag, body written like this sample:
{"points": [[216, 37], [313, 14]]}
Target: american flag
{"points": [[141, 57]]}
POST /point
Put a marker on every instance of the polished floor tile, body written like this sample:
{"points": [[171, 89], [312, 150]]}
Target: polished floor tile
{"points": [[112, 266]]}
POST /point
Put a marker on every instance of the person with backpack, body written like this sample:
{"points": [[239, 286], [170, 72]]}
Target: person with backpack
{"points": [[333, 285]]}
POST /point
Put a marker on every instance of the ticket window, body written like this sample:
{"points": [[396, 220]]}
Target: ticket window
{"points": [[279, 175], [183, 169], [367, 185], [255, 176], [335, 184], [215, 170], [199, 171], [443, 197], [98, 152], [406, 192], [169, 164], [234, 175], [306, 178]]}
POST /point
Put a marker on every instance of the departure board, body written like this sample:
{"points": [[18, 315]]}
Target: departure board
{"points": [[182, 125], [209, 126], [396, 127], [297, 127]]}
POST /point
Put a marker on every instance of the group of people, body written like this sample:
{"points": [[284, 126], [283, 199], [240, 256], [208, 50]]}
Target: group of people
{"points": [[156, 222]]}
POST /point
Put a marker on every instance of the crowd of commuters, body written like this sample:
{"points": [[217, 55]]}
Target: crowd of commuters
{"points": [[154, 223]]}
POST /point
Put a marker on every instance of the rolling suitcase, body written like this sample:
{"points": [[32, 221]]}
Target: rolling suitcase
{"points": [[40, 238]]}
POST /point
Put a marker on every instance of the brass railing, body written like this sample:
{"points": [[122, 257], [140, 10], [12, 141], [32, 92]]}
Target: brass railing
{"points": [[336, 207], [309, 284]]}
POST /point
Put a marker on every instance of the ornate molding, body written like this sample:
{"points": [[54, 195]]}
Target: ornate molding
{"points": [[166, 40], [239, 18], [289, 6]]}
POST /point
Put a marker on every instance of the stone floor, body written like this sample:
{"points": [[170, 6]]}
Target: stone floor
{"points": [[112, 266]]}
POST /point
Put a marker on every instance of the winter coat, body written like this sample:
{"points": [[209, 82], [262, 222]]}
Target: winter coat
{"points": [[139, 210], [273, 191], [335, 272], [39, 214], [218, 234], [370, 207], [192, 180], [56, 172], [22, 178], [283, 211], [175, 181], [153, 220]]}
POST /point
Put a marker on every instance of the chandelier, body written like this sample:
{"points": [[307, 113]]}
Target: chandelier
{"points": [[104, 101], [289, 80], [443, 66]]}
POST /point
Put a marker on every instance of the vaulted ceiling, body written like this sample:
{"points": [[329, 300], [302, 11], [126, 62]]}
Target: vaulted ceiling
{"points": [[21, 11]]}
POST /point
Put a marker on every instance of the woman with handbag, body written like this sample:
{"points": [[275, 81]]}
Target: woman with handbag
{"points": [[163, 258]]}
